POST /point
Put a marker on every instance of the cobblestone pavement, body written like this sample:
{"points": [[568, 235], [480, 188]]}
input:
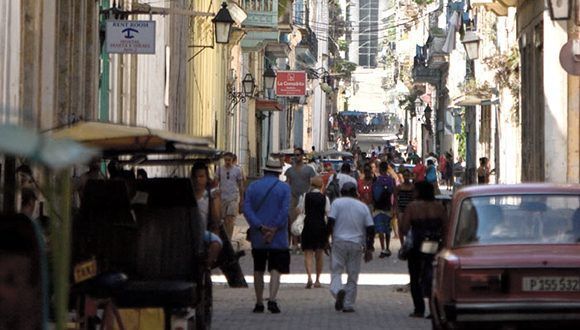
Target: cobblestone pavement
{"points": [[382, 301]]}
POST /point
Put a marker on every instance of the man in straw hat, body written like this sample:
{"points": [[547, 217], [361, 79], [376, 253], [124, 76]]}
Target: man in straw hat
{"points": [[266, 205]]}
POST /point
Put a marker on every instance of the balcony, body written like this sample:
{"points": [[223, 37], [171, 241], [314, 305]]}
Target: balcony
{"points": [[261, 13], [499, 7], [285, 12]]}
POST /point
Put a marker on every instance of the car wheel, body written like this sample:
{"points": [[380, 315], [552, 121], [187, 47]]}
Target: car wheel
{"points": [[434, 325], [204, 309]]}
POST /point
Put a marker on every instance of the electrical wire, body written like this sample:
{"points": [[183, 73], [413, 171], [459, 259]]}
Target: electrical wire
{"points": [[385, 25]]}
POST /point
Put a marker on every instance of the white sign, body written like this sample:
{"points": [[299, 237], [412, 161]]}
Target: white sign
{"points": [[130, 37]]}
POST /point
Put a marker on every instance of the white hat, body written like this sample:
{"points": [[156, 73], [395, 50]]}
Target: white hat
{"points": [[273, 165]]}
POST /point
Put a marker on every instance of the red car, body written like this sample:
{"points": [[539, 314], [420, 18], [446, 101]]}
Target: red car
{"points": [[511, 258]]}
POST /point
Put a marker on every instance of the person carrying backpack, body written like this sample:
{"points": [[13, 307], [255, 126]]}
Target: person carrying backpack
{"points": [[337, 180], [382, 190], [332, 191], [431, 176]]}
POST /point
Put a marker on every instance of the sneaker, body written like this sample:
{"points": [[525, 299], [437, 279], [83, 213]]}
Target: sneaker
{"points": [[382, 255], [339, 304], [348, 310], [387, 253], [259, 308], [415, 314], [273, 307]]}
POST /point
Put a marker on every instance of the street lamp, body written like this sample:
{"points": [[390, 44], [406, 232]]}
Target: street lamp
{"points": [[223, 22], [236, 97], [418, 108], [471, 43], [248, 84], [269, 78], [559, 9]]}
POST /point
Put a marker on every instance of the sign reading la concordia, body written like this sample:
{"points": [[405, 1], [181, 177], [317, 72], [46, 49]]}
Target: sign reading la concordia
{"points": [[290, 83], [130, 37]]}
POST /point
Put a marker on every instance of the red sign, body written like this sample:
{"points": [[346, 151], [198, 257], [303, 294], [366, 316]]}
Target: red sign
{"points": [[290, 83]]}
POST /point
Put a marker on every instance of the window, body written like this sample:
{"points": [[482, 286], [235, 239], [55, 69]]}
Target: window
{"points": [[519, 219]]}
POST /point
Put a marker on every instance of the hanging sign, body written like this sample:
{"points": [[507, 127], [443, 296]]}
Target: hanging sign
{"points": [[290, 83], [130, 37]]}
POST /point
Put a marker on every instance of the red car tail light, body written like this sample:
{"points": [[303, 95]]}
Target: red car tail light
{"points": [[480, 281], [445, 267]]}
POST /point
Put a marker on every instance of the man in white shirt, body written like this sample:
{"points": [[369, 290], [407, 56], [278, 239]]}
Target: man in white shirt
{"points": [[351, 226]]}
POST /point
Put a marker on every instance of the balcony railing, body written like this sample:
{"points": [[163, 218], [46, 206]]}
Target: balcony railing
{"points": [[261, 13]]}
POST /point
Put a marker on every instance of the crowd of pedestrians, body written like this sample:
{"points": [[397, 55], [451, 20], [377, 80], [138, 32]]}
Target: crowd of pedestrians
{"points": [[342, 213]]}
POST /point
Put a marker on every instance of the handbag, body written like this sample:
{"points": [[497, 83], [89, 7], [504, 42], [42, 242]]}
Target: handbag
{"points": [[407, 246], [298, 225], [429, 247]]}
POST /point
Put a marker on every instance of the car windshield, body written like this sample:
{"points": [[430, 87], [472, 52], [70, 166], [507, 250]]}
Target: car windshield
{"points": [[519, 219]]}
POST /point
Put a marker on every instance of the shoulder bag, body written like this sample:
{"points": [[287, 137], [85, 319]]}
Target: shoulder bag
{"points": [[298, 224], [262, 201]]}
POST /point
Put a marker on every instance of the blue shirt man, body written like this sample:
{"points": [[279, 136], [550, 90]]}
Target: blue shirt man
{"points": [[266, 205]]}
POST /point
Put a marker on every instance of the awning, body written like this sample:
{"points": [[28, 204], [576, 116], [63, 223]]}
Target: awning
{"points": [[334, 154], [116, 139], [351, 113], [278, 49], [53, 153], [499, 7], [304, 57], [268, 105], [466, 100]]}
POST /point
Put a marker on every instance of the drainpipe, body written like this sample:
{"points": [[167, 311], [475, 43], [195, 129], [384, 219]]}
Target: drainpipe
{"points": [[104, 79]]}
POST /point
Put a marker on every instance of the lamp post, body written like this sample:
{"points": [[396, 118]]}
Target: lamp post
{"points": [[471, 43], [248, 84], [560, 9], [223, 22], [418, 108], [269, 78], [235, 97]]}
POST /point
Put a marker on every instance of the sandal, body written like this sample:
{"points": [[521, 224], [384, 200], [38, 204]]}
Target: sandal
{"points": [[309, 285], [317, 285]]}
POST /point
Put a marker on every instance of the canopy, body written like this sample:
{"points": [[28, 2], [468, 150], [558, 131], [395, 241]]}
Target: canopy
{"points": [[53, 153], [284, 152], [334, 154], [268, 105], [141, 143], [351, 113], [466, 100]]}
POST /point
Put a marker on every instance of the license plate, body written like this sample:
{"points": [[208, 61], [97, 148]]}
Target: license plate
{"points": [[551, 284], [85, 270]]}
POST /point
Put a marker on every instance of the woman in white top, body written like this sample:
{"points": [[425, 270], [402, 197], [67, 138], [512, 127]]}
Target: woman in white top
{"points": [[209, 215]]}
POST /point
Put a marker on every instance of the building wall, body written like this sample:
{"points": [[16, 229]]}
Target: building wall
{"points": [[9, 62], [154, 76], [48, 62], [320, 116], [556, 101], [369, 95], [206, 80]]}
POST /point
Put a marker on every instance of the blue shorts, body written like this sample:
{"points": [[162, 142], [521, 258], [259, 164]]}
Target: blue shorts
{"points": [[382, 223]]}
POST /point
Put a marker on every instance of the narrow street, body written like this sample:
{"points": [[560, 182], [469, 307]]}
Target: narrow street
{"points": [[131, 129], [382, 300]]}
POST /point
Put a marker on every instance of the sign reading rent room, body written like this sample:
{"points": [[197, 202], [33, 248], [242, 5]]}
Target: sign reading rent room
{"points": [[130, 37], [290, 83]]}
